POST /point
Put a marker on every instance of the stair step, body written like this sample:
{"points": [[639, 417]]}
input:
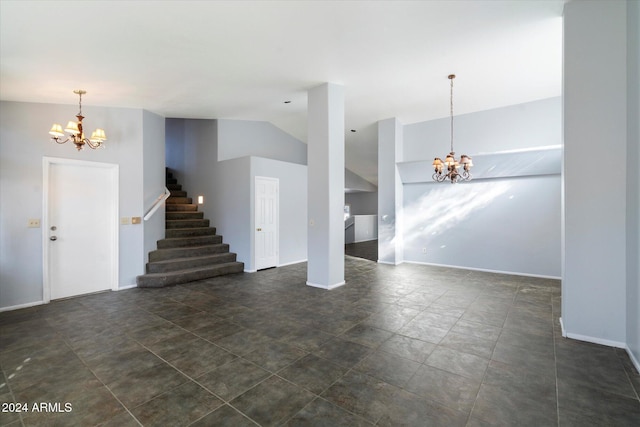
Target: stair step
{"points": [[186, 223], [180, 207], [184, 215], [187, 251], [191, 249], [179, 200], [188, 263], [159, 280], [182, 242], [189, 232]]}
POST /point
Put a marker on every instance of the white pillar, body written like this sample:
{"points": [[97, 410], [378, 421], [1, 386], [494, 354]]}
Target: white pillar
{"points": [[594, 171], [390, 212], [325, 153]]}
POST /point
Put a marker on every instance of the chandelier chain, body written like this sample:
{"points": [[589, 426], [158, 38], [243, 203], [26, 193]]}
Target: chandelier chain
{"points": [[451, 112], [452, 165], [76, 131]]}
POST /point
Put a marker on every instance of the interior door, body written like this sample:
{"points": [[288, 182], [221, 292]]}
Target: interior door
{"points": [[266, 222], [80, 228]]}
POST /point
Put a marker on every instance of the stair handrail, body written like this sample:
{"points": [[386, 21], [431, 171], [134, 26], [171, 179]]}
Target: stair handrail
{"points": [[349, 222], [159, 201]]}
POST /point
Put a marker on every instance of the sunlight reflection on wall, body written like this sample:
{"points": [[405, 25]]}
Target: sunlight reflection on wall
{"points": [[443, 208]]}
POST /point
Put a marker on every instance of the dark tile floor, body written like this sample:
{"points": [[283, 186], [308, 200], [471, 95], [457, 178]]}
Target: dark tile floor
{"points": [[367, 250], [397, 346]]}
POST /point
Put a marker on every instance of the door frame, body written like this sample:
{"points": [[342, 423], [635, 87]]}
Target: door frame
{"points": [[253, 219], [113, 195]]}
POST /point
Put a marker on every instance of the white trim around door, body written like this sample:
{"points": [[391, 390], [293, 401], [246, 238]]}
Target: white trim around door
{"points": [[267, 222], [107, 193]]}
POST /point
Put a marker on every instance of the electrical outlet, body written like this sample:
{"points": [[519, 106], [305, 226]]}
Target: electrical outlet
{"points": [[424, 250], [33, 223]]}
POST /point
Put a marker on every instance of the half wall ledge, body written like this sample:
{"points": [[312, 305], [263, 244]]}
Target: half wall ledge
{"points": [[503, 164]]}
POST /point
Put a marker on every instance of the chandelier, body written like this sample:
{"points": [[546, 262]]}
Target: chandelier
{"points": [[452, 164], [76, 134]]}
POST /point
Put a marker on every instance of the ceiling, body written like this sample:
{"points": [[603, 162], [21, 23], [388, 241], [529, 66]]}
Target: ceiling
{"points": [[244, 59]]}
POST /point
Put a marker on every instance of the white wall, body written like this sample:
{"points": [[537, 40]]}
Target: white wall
{"points": [[504, 225], [390, 189], [293, 207], [511, 224], [365, 228], [227, 187], [594, 282], [153, 178], [355, 182], [633, 179], [529, 125], [23, 142], [240, 138], [192, 153]]}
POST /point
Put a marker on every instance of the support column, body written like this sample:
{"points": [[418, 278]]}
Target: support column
{"points": [[325, 158], [390, 212], [595, 137]]}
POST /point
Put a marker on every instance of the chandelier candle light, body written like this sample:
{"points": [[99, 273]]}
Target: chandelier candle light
{"points": [[450, 161], [76, 134]]}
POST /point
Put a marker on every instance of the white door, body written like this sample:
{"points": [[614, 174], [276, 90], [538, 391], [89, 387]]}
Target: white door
{"points": [[80, 235], [266, 222]]}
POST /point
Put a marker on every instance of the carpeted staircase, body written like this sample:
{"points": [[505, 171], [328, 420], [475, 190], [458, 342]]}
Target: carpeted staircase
{"points": [[191, 250]]}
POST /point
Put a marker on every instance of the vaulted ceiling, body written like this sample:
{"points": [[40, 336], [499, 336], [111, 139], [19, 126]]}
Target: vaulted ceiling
{"points": [[244, 59]]}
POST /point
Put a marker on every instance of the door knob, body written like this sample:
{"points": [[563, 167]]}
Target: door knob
{"points": [[53, 238]]}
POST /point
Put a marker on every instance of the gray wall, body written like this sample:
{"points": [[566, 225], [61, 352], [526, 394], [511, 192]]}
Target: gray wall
{"points": [[153, 178], [633, 179], [355, 182], [293, 207], [504, 225], [240, 138], [510, 225], [390, 192], [533, 124], [23, 142], [594, 283], [227, 187], [362, 203]]}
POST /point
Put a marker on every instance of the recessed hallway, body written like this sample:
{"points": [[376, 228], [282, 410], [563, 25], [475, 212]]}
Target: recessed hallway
{"points": [[406, 345]]}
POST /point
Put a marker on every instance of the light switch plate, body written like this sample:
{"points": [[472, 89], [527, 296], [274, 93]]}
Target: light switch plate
{"points": [[125, 220], [33, 223], [136, 220]]}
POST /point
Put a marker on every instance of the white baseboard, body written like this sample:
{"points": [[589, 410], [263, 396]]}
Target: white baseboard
{"points": [[609, 343], [292, 262], [19, 306], [389, 263], [365, 240], [122, 288], [635, 361], [327, 287], [280, 265], [594, 340], [485, 270]]}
